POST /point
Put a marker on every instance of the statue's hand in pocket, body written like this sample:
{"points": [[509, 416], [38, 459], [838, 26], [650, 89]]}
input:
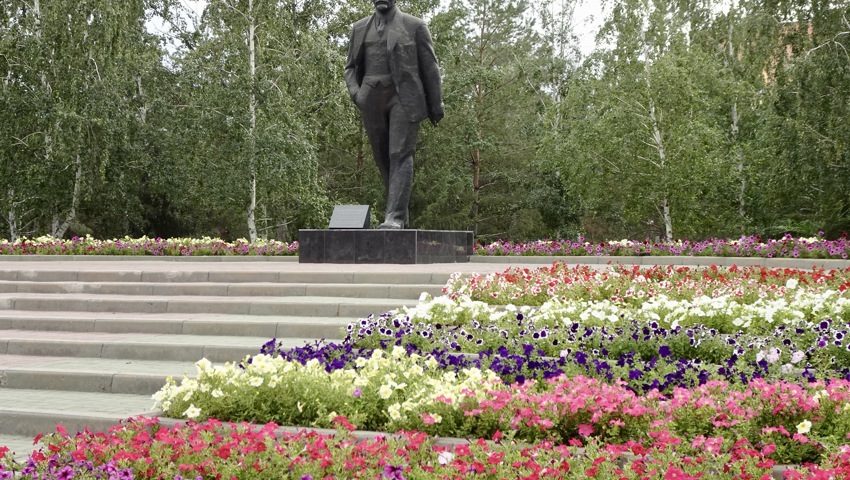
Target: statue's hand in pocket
{"points": [[357, 98]]}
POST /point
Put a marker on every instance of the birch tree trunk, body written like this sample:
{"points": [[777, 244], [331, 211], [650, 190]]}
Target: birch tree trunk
{"points": [[143, 109], [59, 230], [739, 151], [739, 154], [476, 188], [252, 110], [476, 150], [662, 157], [476, 161], [11, 218], [658, 143]]}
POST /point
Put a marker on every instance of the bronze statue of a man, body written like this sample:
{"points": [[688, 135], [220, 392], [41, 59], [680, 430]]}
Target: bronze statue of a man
{"points": [[393, 77]]}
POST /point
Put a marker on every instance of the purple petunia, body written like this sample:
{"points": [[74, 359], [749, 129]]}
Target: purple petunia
{"points": [[394, 472], [67, 473]]}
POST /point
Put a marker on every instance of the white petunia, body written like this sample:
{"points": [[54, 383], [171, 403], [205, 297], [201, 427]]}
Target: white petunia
{"points": [[385, 391], [192, 412], [203, 365], [394, 411]]}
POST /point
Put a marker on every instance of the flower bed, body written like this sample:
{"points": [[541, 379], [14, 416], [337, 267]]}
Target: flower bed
{"points": [[658, 359], [686, 392], [462, 367], [636, 286], [141, 448], [752, 246], [747, 246], [732, 324], [403, 393], [87, 245]]}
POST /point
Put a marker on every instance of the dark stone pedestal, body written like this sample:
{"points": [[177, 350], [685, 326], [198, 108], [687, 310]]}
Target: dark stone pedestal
{"points": [[384, 246]]}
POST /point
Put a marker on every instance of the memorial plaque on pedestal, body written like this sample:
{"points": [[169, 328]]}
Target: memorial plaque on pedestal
{"points": [[349, 216], [384, 246]]}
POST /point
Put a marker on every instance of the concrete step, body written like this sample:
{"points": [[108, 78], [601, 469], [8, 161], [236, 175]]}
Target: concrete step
{"points": [[280, 306], [27, 412], [409, 291], [20, 446], [97, 375], [137, 346], [86, 343], [268, 326], [182, 273]]}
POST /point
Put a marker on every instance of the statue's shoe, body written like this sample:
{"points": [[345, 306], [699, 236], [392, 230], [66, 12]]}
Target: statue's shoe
{"points": [[391, 226]]}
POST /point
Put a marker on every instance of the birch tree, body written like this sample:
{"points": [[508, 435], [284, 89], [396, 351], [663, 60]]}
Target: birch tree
{"points": [[69, 68], [245, 90], [493, 88], [645, 157], [806, 80]]}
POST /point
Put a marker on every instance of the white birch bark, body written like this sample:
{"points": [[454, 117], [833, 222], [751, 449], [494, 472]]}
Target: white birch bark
{"points": [[739, 154], [658, 143], [60, 229], [252, 109], [479, 94], [11, 217], [143, 109], [739, 151]]}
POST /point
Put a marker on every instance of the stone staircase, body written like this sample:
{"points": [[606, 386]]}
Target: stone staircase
{"points": [[86, 343]]}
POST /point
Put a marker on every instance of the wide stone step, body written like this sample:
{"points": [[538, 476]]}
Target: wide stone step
{"points": [[170, 273], [97, 375], [180, 348], [177, 324], [30, 412], [283, 306], [410, 292], [20, 446], [86, 343]]}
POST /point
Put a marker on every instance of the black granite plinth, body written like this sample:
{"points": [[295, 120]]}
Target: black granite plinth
{"points": [[384, 246]]}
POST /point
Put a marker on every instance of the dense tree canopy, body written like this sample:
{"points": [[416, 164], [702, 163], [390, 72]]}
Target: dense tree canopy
{"points": [[691, 118]]}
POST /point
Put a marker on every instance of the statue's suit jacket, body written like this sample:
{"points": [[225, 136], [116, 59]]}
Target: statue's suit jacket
{"points": [[412, 62]]}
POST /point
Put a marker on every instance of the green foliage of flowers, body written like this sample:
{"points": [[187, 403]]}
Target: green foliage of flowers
{"points": [[732, 299], [88, 245], [815, 248], [142, 448], [398, 393], [468, 326], [635, 285], [748, 246], [383, 392]]}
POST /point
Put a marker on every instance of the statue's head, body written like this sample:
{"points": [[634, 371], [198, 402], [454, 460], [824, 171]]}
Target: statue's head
{"points": [[384, 6]]}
